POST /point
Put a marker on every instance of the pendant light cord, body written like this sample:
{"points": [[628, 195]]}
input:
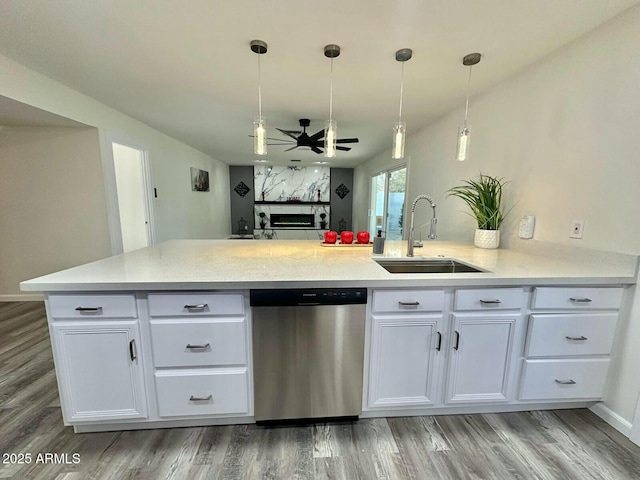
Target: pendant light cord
{"points": [[259, 90], [466, 108], [331, 93], [401, 92]]}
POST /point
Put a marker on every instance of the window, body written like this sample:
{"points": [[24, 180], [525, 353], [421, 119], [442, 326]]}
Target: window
{"points": [[386, 211]]}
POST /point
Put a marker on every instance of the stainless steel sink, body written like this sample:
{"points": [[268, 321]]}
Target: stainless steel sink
{"points": [[427, 265]]}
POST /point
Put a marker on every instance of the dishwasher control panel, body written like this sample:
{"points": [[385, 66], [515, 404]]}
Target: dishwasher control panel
{"points": [[307, 297]]}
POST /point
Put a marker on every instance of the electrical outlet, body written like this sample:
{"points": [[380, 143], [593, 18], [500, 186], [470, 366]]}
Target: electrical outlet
{"points": [[577, 227]]}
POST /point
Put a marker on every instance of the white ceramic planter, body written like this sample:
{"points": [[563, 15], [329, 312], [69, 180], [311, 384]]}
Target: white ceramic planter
{"points": [[487, 238]]}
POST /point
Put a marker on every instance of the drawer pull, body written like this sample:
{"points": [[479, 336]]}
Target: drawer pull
{"points": [[565, 382], [133, 354], [197, 347], [457, 344], [580, 338], [439, 341], [199, 306], [200, 399], [490, 302], [89, 309], [408, 304], [580, 300]]}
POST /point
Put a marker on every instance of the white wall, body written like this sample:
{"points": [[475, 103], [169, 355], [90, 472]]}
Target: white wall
{"points": [[53, 211], [565, 133], [180, 213]]}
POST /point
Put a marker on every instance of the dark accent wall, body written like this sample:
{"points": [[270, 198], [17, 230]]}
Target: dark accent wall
{"points": [[242, 196], [341, 198]]}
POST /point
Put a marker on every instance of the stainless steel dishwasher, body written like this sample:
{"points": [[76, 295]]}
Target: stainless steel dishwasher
{"points": [[308, 353]]}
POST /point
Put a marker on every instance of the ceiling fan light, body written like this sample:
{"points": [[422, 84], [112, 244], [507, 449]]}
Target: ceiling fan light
{"points": [[330, 137], [260, 136], [464, 141], [399, 134]]}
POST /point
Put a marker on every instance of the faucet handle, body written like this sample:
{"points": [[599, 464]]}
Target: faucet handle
{"points": [[417, 244]]}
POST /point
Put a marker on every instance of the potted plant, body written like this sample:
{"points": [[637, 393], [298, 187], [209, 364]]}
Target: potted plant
{"points": [[263, 221], [484, 198], [323, 222]]}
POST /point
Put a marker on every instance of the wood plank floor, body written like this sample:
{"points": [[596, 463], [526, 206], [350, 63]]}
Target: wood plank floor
{"points": [[562, 444]]}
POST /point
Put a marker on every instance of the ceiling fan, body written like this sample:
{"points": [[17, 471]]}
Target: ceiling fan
{"points": [[314, 142]]}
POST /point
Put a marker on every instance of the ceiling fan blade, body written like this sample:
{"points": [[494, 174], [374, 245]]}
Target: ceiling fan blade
{"points": [[347, 140], [316, 149], [289, 149], [317, 136], [346, 149], [288, 133], [276, 139]]}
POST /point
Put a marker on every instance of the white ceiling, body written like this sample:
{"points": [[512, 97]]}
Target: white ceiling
{"points": [[186, 69]]}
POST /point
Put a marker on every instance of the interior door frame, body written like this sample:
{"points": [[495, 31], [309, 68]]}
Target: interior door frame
{"points": [[112, 191]]}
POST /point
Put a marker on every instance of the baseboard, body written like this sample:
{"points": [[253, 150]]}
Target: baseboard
{"points": [[22, 297], [472, 409], [612, 418]]}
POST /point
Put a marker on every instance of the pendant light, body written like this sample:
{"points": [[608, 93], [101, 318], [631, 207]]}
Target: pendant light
{"points": [[259, 123], [464, 133], [330, 126], [400, 128]]}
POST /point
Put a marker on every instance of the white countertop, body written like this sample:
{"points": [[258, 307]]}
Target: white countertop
{"points": [[232, 264]]}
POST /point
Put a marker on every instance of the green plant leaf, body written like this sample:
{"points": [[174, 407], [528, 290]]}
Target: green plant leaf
{"points": [[483, 196]]}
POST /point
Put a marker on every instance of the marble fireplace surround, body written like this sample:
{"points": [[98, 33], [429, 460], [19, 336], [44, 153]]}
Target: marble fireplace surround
{"points": [[291, 190], [286, 184]]}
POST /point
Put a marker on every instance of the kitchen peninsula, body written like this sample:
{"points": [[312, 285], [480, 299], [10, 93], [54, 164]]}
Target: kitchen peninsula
{"points": [[534, 329]]}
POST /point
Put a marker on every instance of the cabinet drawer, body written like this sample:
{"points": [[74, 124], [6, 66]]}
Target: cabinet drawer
{"points": [[489, 299], [92, 306], [198, 343], [571, 334], [577, 297], [564, 379], [394, 301], [202, 392], [195, 304]]}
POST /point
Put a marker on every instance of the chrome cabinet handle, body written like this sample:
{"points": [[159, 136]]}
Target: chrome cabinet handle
{"points": [[200, 399], [490, 302], [565, 382], [457, 344], [439, 341], [199, 306], [133, 353], [89, 309], [197, 347], [580, 338], [408, 304], [580, 300]]}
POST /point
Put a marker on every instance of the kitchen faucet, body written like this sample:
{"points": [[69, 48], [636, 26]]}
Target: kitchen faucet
{"points": [[434, 221]]}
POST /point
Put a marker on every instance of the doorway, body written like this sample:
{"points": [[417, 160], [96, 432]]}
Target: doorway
{"points": [[387, 206], [133, 186]]}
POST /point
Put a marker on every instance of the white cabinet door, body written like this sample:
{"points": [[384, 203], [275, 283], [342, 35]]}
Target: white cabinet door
{"points": [[405, 350], [481, 349], [99, 370]]}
